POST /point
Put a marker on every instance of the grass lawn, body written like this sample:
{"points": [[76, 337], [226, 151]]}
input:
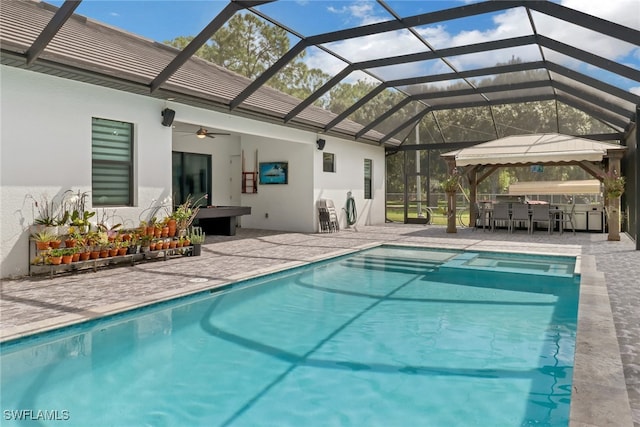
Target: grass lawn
{"points": [[395, 213]]}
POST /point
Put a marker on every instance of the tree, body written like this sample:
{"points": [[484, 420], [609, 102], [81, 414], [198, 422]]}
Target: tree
{"points": [[249, 46]]}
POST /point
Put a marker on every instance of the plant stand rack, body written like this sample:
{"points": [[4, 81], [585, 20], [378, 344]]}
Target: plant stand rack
{"points": [[119, 260]]}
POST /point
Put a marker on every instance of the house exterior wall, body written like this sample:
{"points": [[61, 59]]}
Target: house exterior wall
{"points": [[349, 177], [287, 207], [46, 150], [45, 139]]}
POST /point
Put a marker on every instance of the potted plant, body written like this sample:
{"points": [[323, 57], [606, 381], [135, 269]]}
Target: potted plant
{"points": [[74, 238], [46, 216], [84, 253], [134, 244], [54, 257], [37, 260], [613, 185], [67, 255], [185, 213], [145, 243], [151, 226], [56, 242], [197, 238], [78, 215], [102, 244], [43, 239], [61, 221], [122, 247]]}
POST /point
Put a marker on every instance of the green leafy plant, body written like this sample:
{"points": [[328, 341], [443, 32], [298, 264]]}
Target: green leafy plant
{"points": [[196, 236], [613, 184], [451, 183], [44, 236], [185, 213], [47, 211]]}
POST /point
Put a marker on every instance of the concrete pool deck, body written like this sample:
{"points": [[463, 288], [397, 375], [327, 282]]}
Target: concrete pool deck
{"points": [[606, 384]]}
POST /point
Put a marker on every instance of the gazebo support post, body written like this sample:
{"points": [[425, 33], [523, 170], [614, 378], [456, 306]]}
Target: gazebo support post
{"points": [[472, 176], [451, 202], [613, 205]]}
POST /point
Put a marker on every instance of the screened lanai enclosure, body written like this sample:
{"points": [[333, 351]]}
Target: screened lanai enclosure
{"points": [[421, 78]]}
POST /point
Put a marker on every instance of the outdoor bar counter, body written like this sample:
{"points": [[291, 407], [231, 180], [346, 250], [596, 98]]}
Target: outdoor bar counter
{"points": [[220, 220]]}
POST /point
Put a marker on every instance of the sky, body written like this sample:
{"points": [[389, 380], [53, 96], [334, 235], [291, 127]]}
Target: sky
{"points": [[163, 20]]}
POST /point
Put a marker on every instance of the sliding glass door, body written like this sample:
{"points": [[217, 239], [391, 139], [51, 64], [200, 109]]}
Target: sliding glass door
{"points": [[191, 177]]}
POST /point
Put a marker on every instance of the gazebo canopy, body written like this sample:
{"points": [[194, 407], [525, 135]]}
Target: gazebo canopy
{"points": [[584, 186], [532, 149]]}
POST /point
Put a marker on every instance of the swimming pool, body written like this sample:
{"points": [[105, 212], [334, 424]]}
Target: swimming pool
{"points": [[389, 336]]}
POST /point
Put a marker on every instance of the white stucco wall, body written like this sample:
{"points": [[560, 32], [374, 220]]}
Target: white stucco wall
{"points": [[46, 149], [349, 176], [281, 206], [45, 137]]}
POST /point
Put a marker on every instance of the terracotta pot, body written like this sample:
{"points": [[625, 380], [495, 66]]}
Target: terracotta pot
{"points": [[66, 259], [186, 242], [165, 231], [172, 227], [159, 246], [75, 257], [41, 246], [55, 260], [69, 243], [152, 246], [173, 244], [122, 251], [84, 255], [151, 231], [55, 244], [94, 254], [113, 252], [104, 253]]}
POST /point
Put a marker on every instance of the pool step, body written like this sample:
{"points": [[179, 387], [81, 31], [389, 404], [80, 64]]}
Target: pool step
{"points": [[397, 265], [509, 264]]}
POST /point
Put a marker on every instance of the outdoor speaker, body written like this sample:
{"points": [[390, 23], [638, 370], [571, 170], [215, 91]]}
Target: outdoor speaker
{"points": [[167, 117], [320, 143]]}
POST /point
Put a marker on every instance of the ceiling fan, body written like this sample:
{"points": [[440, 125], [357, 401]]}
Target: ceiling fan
{"points": [[204, 133]]}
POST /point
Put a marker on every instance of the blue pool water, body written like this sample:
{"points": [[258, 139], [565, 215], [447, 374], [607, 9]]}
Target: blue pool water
{"points": [[386, 337]]}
